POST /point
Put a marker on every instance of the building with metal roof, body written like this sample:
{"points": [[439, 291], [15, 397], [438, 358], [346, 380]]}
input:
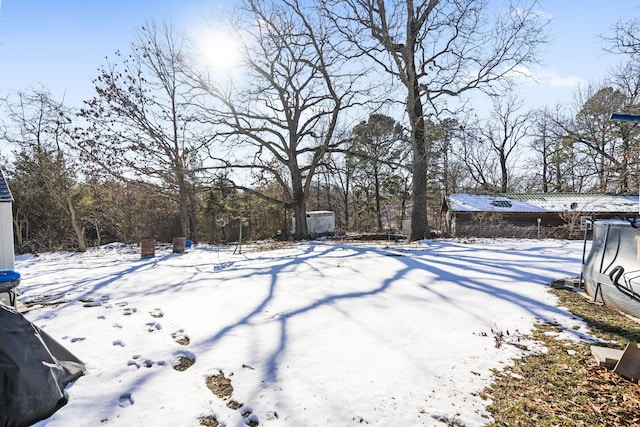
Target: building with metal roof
{"points": [[531, 214], [5, 193], [7, 254]]}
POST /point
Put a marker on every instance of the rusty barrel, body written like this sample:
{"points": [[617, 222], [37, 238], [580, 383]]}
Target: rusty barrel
{"points": [[179, 244], [147, 248]]}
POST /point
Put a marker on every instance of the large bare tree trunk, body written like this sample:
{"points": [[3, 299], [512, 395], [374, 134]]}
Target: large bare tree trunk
{"points": [[299, 206], [419, 224], [183, 197], [300, 222], [17, 232], [77, 228]]}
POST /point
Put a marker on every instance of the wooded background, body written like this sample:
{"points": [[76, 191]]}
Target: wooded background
{"points": [[371, 109]]}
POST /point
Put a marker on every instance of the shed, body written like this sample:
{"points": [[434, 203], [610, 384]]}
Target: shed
{"points": [[320, 222], [531, 214], [6, 225]]}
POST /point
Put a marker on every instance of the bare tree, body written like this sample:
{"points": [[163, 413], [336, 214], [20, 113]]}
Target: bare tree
{"points": [[140, 124], [281, 122], [553, 151], [624, 38], [41, 129], [377, 150], [626, 78], [438, 50], [504, 130], [598, 136], [340, 170], [479, 161]]}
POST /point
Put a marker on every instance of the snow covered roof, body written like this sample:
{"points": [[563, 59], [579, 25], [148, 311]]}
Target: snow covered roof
{"points": [[320, 213], [5, 193], [542, 202]]}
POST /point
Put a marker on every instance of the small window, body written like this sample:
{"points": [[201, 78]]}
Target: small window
{"points": [[501, 203], [586, 223], [574, 205]]}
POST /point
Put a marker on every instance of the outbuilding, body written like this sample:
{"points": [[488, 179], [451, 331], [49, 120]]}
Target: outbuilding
{"points": [[531, 215], [6, 225], [9, 279], [319, 223]]}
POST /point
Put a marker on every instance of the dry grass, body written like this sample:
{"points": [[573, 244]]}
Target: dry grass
{"points": [[564, 386]]}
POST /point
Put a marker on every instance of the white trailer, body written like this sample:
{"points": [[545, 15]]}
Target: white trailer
{"points": [[320, 222]]}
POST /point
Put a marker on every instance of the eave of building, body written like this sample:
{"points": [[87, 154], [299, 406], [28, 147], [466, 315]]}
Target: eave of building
{"points": [[529, 203]]}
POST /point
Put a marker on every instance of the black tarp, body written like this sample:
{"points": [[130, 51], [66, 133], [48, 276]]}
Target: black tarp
{"points": [[34, 370]]}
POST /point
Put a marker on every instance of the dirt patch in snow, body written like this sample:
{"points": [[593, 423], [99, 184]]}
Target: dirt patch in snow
{"points": [[220, 385], [180, 338], [184, 363], [209, 421]]}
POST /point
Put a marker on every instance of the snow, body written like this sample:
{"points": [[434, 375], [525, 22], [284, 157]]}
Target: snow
{"points": [[543, 202], [313, 334], [489, 203]]}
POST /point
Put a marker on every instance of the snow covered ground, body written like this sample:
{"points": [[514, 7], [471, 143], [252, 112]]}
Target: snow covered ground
{"points": [[311, 334]]}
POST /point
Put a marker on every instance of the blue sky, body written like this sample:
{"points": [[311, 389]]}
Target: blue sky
{"points": [[575, 54], [60, 44]]}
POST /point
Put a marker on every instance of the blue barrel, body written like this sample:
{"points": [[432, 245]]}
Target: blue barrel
{"points": [[9, 279]]}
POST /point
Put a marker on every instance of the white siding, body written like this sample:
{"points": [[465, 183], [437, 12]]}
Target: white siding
{"points": [[6, 237], [319, 222]]}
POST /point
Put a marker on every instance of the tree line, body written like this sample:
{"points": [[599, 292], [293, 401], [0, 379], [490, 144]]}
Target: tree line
{"points": [[356, 106]]}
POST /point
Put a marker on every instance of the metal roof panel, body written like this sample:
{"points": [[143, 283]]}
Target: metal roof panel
{"points": [[5, 193], [543, 202]]}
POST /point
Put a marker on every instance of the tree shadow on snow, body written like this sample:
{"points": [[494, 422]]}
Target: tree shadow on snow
{"points": [[448, 268], [455, 265]]}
